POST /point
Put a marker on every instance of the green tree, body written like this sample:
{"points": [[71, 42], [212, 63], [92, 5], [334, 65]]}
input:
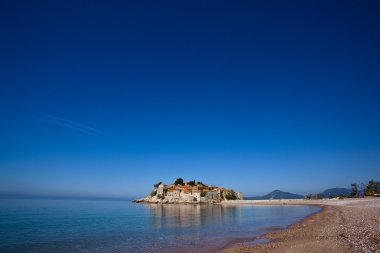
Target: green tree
{"points": [[354, 190], [179, 181], [372, 188], [191, 183], [230, 196], [153, 193]]}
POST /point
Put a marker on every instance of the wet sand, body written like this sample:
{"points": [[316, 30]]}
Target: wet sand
{"points": [[350, 225]]}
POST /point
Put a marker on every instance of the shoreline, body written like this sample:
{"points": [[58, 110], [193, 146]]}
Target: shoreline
{"points": [[350, 225], [264, 238]]}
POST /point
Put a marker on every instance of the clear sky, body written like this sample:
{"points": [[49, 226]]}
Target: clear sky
{"points": [[107, 98]]}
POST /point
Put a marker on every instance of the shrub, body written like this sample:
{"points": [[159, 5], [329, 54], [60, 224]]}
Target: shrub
{"points": [[230, 196], [153, 193], [203, 194]]}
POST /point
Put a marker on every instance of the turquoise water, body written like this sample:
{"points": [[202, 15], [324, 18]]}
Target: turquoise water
{"points": [[121, 226]]}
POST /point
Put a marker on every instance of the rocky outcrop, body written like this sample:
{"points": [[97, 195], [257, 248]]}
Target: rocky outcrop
{"points": [[190, 192]]}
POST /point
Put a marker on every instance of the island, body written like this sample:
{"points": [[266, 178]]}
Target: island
{"points": [[189, 192]]}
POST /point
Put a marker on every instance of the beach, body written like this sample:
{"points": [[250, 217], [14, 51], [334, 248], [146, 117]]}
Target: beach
{"points": [[349, 225]]}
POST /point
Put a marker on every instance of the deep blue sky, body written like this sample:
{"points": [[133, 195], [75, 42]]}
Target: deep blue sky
{"points": [[107, 98]]}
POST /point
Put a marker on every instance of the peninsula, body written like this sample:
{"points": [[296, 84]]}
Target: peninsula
{"points": [[189, 192]]}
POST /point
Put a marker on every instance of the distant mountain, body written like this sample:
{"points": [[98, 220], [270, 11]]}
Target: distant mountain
{"points": [[277, 194], [335, 192]]}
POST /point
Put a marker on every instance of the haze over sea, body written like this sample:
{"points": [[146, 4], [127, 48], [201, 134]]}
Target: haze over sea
{"points": [[36, 225]]}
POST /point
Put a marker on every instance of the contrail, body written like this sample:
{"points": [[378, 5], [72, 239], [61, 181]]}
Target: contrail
{"points": [[70, 124]]}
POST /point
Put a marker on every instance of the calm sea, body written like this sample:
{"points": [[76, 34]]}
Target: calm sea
{"points": [[121, 226]]}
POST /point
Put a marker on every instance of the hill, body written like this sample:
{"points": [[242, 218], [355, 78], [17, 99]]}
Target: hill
{"points": [[278, 194], [335, 192]]}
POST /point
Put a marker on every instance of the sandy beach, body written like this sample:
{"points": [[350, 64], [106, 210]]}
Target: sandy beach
{"points": [[349, 225]]}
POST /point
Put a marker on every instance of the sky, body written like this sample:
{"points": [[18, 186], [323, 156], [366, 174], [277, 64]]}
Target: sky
{"points": [[106, 98]]}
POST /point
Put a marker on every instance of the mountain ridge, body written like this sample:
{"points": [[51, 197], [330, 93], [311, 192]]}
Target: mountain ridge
{"points": [[336, 192], [277, 194]]}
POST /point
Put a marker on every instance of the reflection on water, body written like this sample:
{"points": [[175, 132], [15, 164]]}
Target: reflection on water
{"points": [[182, 216], [198, 226], [104, 226]]}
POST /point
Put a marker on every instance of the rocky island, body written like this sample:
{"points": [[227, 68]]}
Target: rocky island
{"points": [[189, 192]]}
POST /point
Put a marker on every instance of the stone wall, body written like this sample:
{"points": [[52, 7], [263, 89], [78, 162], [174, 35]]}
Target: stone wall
{"points": [[173, 195], [239, 195], [160, 190], [212, 196]]}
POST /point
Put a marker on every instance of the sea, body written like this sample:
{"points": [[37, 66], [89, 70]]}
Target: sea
{"points": [[91, 226]]}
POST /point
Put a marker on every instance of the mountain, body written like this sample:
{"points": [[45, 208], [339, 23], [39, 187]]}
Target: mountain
{"points": [[335, 192], [277, 194]]}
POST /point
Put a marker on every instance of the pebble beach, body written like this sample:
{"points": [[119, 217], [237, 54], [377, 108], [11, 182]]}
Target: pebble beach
{"points": [[349, 225]]}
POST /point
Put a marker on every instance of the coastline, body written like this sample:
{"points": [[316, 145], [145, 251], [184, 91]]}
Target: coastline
{"points": [[350, 225]]}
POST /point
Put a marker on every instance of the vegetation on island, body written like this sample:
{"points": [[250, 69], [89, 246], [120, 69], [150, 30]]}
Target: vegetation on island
{"points": [[179, 181], [230, 196], [156, 185], [221, 194], [191, 183]]}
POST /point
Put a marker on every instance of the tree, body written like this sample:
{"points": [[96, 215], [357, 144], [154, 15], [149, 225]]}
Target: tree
{"points": [[362, 189], [156, 185], [179, 181], [199, 182], [191, 183], [372, 188], [230, 196], [354, 190]]}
